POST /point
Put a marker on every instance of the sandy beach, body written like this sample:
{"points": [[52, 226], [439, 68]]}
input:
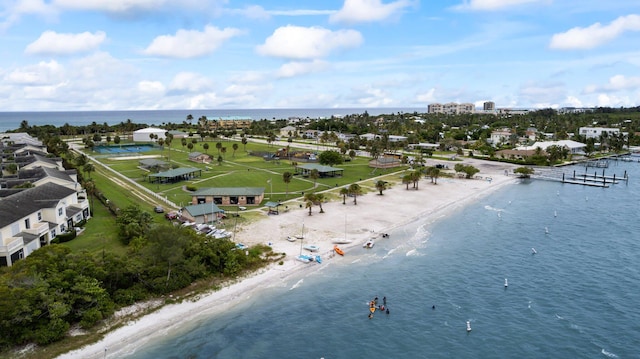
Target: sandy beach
{"points": [[373, 216]]}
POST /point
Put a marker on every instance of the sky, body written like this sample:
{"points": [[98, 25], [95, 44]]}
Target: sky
{"points": [[67, 55]]}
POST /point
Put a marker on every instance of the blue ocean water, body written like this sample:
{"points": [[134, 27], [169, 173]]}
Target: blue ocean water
{"points": [[12, 120], [577, 297]]}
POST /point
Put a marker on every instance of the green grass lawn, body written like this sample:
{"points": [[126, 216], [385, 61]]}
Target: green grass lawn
{"points": [[239, 170], [100, 233]]}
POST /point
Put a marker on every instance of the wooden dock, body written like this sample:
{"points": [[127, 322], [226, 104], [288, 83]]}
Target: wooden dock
{"points": [[594, 179]]}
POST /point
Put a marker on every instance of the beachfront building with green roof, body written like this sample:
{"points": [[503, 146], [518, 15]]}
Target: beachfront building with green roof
{"points": [[229, 196], [201, 213]]}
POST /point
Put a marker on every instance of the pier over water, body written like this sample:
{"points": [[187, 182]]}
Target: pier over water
{"points": [[596, 178]]}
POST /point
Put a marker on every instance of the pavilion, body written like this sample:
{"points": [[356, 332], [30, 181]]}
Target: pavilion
{"points": [[174, 175]]}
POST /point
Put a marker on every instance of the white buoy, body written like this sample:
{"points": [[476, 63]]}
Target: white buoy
{"points": [[506, 283], [546, 230], [468, 326], [533, 250], [555, 213]]}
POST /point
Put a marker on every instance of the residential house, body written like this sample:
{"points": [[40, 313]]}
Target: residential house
{"points": [[199, 157], [500, 136], [596, 132], [288, 131], [574, 147], [32, 217]]}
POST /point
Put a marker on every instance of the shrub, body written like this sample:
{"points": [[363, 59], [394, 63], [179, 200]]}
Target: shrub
{"points": [[191, 188]]}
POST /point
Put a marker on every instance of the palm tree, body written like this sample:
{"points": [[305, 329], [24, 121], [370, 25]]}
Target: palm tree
{"points": [[308, 204], [218, 147], [88, 168], [319, 198], [406, 179], [206, 147], [235, 148], [286, 178], [183, 142], [81, 160], [415, 178], [244, 143], [224, 151], [355, 190], [381, 186], [344, 191]]}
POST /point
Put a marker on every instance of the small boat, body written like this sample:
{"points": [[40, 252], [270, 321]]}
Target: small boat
{"points": [[369, 243], [533, 251], [304, 258], [506, 283], [291, 239], [311, 248], [338, 250], [318, 259], [468, 326], [341, 241]]}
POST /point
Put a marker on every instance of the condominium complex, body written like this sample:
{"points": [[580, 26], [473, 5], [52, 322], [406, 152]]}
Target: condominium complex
{"points": [[451, 108]]}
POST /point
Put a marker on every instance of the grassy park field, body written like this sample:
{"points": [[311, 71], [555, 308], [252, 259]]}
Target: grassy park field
{"points": [[237, 169]]}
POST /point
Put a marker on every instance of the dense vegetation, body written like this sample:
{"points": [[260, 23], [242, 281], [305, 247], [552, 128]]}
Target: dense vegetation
{"points": [[54, 289]]}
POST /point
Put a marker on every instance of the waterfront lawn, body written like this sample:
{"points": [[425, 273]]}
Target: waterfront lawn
{"points": [[243, 170], [99, 233]]}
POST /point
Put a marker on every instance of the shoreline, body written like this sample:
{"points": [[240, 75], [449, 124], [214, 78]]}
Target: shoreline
{"points": [[372, 216]]}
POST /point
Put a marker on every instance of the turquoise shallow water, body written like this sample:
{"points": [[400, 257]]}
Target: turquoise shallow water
{"points": [[576, 298]]}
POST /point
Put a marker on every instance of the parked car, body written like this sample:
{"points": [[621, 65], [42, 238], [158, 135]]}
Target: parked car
{"points": [[171, 215], [158, 209]]}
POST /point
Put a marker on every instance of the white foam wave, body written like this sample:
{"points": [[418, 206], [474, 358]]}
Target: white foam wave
{"points": [[299, 283], [489, 208], [390, 252], [610, 355], [413, 252]]}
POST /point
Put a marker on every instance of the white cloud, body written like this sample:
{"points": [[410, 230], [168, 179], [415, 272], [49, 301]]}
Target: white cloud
{"points": [[252, 12], [53, 43], [190, 82], [152, 87], [296, 68], [12, 11], [43, 73], [370, 96], [358, 11], [573, 101], [190, 43], [594, 35], [608, 100], [295, 42], [427, 97], [621, 82]]}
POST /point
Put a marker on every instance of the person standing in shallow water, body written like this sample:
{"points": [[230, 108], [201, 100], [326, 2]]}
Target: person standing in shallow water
{"points": [[384, 300]]}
